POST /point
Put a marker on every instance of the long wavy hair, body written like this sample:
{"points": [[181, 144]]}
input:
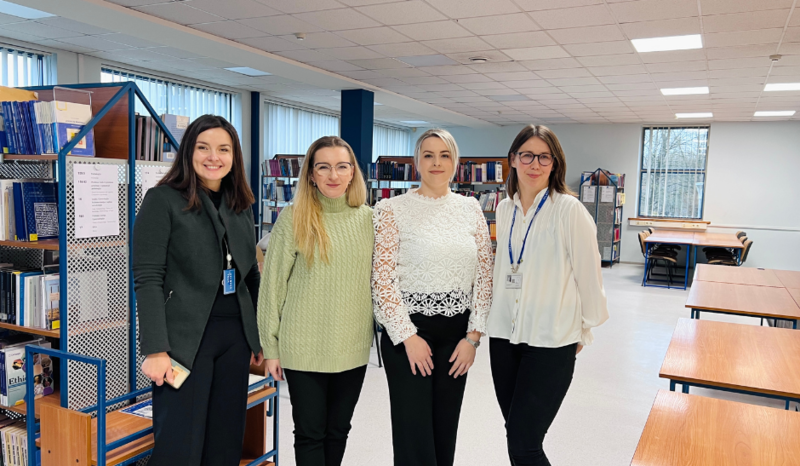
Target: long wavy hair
{"points": [[557, 182], [309, 229]]}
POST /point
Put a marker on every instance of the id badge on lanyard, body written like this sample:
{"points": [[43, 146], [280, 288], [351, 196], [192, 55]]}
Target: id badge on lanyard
{"points": [[229, 274], [514, 279]]}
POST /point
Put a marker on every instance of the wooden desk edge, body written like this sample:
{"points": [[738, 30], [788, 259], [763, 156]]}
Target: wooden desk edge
{"points": [[689, 380], [747, 313]]}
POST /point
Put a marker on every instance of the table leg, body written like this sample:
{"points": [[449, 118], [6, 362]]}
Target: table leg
{"points": [[672, 385], [646, 262], [794, 325], [787, 405], [686, 272], [685, 388], [739, 256], [694, 264]]}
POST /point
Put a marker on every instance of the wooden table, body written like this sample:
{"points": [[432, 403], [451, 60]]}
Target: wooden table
{"points": [[739, 358], [749, 300], [684, 238], [693, 430], [789, 278], [736, 275], [795, 292]]}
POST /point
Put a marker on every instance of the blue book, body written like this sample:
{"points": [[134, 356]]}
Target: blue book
{"points": [[19, 122], [33, 128], [8, 118], [3, 143], [21, 233], [40, 210]]}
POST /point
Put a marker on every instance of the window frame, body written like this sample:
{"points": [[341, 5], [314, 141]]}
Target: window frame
{"points": [[679, 171]]}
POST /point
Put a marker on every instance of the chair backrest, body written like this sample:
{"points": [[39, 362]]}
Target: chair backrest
{"points": [[743, 239], [747, 245], [641, 241], [651, 230], [740, 234]]}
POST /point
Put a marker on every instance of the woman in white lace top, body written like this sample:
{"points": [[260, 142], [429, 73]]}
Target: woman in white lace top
{"points": [[432, 290]]}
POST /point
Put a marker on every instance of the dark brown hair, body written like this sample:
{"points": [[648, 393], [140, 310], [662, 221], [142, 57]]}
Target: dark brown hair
{"points": [[557, 182], [182, 177]]}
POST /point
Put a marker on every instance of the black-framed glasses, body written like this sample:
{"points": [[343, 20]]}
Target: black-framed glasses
{"points": [[325, 169], [526, 158]]}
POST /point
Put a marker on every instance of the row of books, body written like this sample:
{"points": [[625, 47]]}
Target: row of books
{"points": [[271, 214], [29, 298], [12, 370], [36, 128], [473, 172], [278, 190], [492, 228], [14, 442], [392, 171], [285, 167], [610, 253], [490, 200], [377, 194], [28, 210], [151, 142], [618, 215], [591, 179]]}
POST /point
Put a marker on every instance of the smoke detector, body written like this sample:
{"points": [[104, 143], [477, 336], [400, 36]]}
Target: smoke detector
{"points": [[478, 59], [775, 57], [300, 35]]}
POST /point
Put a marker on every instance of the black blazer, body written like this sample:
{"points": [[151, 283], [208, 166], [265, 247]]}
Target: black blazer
{"points": [[177, 271]]}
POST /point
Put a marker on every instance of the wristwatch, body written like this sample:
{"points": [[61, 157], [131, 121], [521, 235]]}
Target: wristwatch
{"points": [[476, 344]]}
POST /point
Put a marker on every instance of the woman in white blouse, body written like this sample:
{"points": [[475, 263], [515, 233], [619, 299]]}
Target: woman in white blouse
{"points": [[548, 292], [432, 288]]}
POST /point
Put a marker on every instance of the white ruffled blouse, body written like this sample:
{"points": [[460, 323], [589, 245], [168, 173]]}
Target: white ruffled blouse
{"points": [[432, 256]]}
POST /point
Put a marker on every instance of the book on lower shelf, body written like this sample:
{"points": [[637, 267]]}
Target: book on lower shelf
{"points": [[13, 376], [13, 442], [28, 210], [29, 298]]}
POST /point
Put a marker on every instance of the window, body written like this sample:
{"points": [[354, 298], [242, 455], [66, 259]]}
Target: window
{"points": [[673, 172], [22, 69], [291, 130], [391, 141], [175, 98]]}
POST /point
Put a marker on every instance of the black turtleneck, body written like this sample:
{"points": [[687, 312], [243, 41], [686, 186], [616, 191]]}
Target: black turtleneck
{"points": [[224, 305]]}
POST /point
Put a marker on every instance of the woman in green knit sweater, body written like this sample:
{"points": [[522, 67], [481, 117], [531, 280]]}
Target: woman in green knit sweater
{"points": [[315, 304]]}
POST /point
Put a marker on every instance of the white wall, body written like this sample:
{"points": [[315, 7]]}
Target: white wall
{"points": [[759, 197]]}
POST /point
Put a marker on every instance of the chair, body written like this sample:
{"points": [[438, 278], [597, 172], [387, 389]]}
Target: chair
{"points": [[731, 259], [663, 247], [668, 259], [722, 253]]}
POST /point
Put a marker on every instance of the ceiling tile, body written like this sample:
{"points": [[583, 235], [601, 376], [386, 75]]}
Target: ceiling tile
{"points": [[478, 85], [303, 55], [190, 65], [634, 78], [653, 10], [321, 40], [464, 44], [738, 63], [664, 28], [379, 63], [494, 56], [233, 9], [362, 74], [527, 84], [742, 51], [229, 30], [139, 54], [134, 42], [519, 22], [475, 78], [441, 87], [674, 56], [410, 12], [338, 20], [587, 34], [94, 43], [373, 36], [64, 46], [8, 19], [335, 65], [745, 21], [472, 8], [730, 39], [41, 30], [381, 82], [573, 81], [173, 52], [676, 66], [64, 23], [552, 64], [595, 15], [404, 49], [461, 93], [591, 88], [521, 75], [434, 30], [548, 91], [688, 75], [424, 80], [537, 53], [352, 53], [519, 40], [447, 70], [786, 71], [301, 6], [599, 48], [471, 99], [404, 73], [280, 25], [497, 67], [611, 60], [716, 7], [792, 34], [582, 96], [178, 13], [627, 86], [565, 73], [427, 60], [273, 44]]}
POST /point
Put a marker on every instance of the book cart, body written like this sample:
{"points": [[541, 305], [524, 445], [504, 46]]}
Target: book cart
{"points": [[99, 365], [603, 195]]}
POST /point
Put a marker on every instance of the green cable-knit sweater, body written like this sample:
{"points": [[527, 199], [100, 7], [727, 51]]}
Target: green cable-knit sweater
{"points": [[319, 318]]}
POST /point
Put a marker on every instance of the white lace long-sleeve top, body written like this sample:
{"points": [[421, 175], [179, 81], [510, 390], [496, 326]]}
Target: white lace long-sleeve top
{"points": [[432, 256]]}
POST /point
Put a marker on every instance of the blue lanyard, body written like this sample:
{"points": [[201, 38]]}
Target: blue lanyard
{"points": [[510, 233]]}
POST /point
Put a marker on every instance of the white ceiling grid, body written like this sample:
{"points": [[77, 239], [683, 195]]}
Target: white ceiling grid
{"points": [[561, 61]]}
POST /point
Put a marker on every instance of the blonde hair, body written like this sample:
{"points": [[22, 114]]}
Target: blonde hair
{"points": [[309, 229], [448, 140]]}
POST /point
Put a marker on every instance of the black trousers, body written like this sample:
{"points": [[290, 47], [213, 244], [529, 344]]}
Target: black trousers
{"points": [[202, 423], [425, 410], [530, 384], [322, 407]]}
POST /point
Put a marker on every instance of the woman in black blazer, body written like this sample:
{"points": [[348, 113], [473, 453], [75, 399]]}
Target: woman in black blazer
{"points": [[192, 232]]}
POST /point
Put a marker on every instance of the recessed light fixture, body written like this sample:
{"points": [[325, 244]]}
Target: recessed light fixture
{"points": [[478, 59], [782, 87], [663, 44], [22, 11], [247, 71], [415, 122], [694, 115], [300, 35], [684, 90], [778, 113]]}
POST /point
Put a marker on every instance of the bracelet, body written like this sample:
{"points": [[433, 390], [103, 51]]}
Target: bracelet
{"points": [[475, 344]]}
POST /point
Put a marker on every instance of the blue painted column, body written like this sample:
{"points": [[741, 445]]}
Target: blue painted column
{"points": [[358, 112], [255, 157]]}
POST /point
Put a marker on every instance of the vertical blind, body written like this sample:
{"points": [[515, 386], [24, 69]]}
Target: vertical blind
{"points": [[672, 181], [22, 69], [391, 141], [175, 98], [290, 130]]}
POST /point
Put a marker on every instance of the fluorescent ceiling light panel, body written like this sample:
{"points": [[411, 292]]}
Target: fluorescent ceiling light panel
{"points": [[694, 115], [684, 90], [663, 44], [247, 71], [781, 113], [782, 87], [415, 122], [22, 11], [428, 60]]}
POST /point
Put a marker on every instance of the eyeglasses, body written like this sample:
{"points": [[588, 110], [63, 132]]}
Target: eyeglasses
{"points": [[324, 169], [527, 158]]}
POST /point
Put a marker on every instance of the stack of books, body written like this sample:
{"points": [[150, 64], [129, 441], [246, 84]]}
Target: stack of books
{"points": [[29, 298], [28, 210]]}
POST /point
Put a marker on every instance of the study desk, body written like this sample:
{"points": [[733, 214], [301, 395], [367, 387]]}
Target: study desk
{"points": [[749, 359], [695, 430], [682, 238], [736, 275], [789, 278], [756, 301], [795, 292]]}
